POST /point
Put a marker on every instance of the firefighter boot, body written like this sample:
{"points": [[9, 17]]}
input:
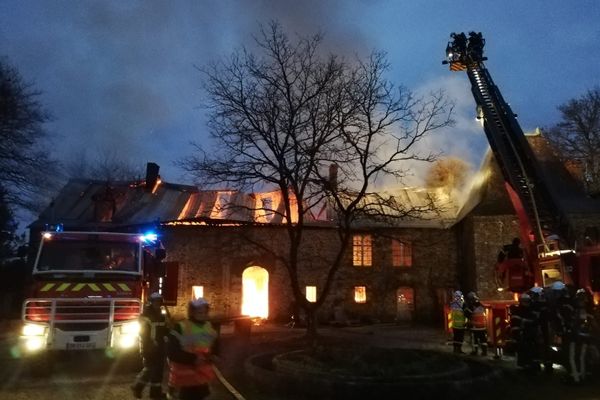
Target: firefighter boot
{"points": [[484, 351], [137, 390], [458, 349]]}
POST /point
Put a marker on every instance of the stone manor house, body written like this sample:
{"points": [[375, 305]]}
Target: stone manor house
{"points": [[402, 272]]}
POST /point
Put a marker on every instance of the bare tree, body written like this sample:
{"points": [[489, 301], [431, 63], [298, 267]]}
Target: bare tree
{"points": [[320, 130], [25, 166], [578, 136], [104, 166]]}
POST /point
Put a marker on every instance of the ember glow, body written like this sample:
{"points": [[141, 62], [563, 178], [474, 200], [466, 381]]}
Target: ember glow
{"points": [[255, 292]]}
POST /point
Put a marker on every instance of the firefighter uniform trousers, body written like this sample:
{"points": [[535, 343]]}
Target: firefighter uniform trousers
{"points": [[152, 348]]}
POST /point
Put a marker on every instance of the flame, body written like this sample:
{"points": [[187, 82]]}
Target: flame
{"points": [[156, 185], [255, 292]]}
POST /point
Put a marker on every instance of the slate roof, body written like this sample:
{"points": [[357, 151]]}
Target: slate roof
{"points": [[75, 206]]}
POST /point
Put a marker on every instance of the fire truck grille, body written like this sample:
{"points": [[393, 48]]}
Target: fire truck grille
{"points": [[81, 326], [61, 311]]}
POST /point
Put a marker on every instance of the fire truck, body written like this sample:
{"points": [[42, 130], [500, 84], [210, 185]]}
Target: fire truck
{"points": [[87, 291], [553, 249]]}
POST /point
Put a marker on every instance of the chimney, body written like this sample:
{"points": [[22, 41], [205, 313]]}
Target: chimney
{"points": [[333, 173], [151, 176]]}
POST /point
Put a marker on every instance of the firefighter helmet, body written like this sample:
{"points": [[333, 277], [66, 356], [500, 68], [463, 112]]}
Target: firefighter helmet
{"points": [[524, 297], [581, 294], [197, 303], [558, 285], [536, 290], [155, 296], [472, 296]]}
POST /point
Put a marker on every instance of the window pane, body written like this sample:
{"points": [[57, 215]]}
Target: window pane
{"points": [[361, 250], [197, 292], [360, 294], [401, 253], [311, 293]]}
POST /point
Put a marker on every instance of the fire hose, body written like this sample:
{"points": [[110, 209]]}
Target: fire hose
{"points": [[227, 385]]}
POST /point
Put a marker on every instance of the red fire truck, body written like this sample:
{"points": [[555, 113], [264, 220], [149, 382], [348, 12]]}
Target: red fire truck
{"points": [[88, 290]]}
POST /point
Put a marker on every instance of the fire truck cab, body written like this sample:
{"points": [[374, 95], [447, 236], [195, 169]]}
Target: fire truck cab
{"points": [[87, 291]]}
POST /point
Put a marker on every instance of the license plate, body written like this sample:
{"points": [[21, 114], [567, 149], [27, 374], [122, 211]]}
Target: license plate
{"points": [[81, 346]]}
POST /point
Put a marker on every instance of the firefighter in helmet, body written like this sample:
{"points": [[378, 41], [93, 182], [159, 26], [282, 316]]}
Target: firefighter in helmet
{"points": [[153, 330], [189, 351], [539, 305], [477, 323], [524, 330], [459, 323], [580, 329]]}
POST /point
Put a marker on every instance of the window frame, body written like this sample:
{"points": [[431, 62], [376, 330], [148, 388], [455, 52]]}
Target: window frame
{"points": [[362, 250], [313, 292], [402, 253], [360, 298]]}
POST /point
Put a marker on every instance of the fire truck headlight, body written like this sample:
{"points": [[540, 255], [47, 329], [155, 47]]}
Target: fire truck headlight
{"points": [[130, 328], [33, 330], [127, 341], [34, 343]]}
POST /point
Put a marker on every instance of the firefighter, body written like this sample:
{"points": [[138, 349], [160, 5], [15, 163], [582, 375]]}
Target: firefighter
{"points": [[524, 330], [560, 311], [476, 322], [475, 46], [153, 330], [511, 251], [541, 312], [189, 350], [459, 44], [579, 336], [459, 323]]}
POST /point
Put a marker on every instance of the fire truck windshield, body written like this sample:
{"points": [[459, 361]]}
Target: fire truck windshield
{"points": [[89, 255]]}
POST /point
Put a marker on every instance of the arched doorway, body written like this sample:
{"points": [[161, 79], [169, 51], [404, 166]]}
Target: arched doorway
{"points": [[405, 304], [255, 292]]}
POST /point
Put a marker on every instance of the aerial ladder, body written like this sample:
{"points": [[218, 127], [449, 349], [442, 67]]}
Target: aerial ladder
{"points": [[544, 229]]}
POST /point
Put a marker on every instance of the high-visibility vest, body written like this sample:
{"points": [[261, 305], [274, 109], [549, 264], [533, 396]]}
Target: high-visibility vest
{"points": [[198, 340], [478, 321], [458, 317]]}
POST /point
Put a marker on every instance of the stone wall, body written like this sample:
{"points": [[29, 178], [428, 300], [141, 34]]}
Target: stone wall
{"points": [[489, 234], [216, 256]]}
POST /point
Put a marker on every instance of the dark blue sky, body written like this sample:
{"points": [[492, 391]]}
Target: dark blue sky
{"points": [[119, 76]]}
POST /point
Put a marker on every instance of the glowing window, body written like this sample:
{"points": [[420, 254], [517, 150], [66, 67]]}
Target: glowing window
{"points": [[197, 292], [311, 293], [264, 208], [405, 303], [401, 253], [222, 204], [255, 292], [361, 251], [360, 294]]}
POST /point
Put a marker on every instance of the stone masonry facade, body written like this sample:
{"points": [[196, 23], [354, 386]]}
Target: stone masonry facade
{"points": [[215, 257]]}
